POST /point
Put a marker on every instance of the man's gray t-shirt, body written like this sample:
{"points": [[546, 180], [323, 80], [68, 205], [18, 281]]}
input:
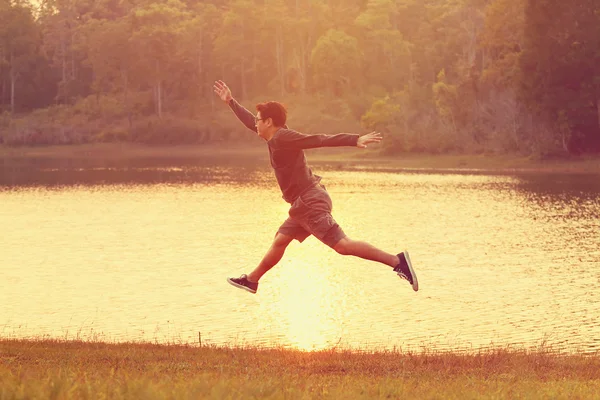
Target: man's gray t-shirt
{"points": [[286, 150]]}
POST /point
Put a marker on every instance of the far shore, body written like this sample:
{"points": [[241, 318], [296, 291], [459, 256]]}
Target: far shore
{"points": [[338, 157]]}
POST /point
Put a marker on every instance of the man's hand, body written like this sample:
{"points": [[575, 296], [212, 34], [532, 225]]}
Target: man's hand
{"points": [[221, 90], [364, 140]]}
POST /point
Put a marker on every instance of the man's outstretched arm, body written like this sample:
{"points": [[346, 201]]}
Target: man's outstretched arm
{"points": [[290, 139], [245, 116]]}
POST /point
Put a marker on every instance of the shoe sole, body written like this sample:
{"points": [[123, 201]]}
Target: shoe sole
{"points": [[415, 284], [240, 286]]}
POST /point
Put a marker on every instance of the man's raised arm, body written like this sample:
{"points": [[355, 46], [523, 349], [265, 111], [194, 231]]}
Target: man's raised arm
{"points": [[291, 139], [245, 116]]}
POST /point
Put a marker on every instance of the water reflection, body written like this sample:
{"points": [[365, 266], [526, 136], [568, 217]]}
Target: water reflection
{"points": [[309, 308], [133, 176], [142, 252]]}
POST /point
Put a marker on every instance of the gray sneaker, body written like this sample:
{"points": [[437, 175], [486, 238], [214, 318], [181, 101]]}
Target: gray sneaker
{"points": [[243, 283], [405, 270]]}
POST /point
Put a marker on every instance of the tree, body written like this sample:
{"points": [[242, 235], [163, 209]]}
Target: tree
{"points": [[197, 69], [19, 47], [109, 53], [560, 70], [157, 28], [237, 47], [310, 20], [336, 60], [502, 41], [445, 97], [383, 45], [60, 21]]}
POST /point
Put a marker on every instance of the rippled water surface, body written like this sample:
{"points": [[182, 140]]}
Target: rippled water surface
{"points": [[141, 254]]}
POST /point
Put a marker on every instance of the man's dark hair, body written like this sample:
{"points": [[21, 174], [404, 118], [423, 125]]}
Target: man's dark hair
{"points": [[274, 110]]}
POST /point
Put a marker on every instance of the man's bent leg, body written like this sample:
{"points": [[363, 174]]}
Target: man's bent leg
{"points": [[347, 246], [401, 262], [272, 257]]}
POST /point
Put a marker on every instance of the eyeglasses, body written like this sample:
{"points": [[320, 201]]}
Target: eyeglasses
{"points": [[259, 119]]}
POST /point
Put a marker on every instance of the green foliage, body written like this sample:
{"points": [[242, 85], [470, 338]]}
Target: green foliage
{"points": [[169, 130], [53, 125], [388, 54], [238, 48], [111, 135], [109, 54], [507, 84], [381, 116], [445, 98], [19, 50], [560, 71], [329, 115], [409, 122], [4, 120], [502, 40], [336, 59], [386, 116]]}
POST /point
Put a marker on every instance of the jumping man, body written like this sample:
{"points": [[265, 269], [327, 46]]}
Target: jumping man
{"points": [[310, 211]]}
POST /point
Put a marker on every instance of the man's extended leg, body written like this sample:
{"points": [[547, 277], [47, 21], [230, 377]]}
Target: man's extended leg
{"points": [[250, 282], [272, 257]]}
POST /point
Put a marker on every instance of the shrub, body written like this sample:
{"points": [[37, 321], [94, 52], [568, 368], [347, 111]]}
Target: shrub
{"points": [[168, 130]]}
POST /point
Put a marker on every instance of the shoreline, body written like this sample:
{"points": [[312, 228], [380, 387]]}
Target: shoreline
{"points": [[337, 157], [77, 341]]}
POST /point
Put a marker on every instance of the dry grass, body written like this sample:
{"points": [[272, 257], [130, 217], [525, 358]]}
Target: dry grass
{"points": [[86, 370]]}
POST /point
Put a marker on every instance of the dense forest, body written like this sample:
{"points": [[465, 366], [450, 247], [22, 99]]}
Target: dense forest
{"points": [[497, 76]]}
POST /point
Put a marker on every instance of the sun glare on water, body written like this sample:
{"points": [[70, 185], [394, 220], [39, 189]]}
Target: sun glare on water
{"points": [[303, 307]]}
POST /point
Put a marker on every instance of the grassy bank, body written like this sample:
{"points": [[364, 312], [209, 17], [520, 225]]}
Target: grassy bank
{"points": [[48, 369], [339, 157]]}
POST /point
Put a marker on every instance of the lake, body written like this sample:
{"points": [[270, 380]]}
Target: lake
{"points": [[140, 251]]}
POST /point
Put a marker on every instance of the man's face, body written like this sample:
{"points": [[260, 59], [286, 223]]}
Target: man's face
{"points": [[261, 125]]}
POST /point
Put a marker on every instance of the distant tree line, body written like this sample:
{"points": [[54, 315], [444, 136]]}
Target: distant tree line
{"points": [[432, 75]]}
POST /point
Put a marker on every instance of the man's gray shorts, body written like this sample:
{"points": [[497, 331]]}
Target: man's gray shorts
{"points": [[310, 214]]}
